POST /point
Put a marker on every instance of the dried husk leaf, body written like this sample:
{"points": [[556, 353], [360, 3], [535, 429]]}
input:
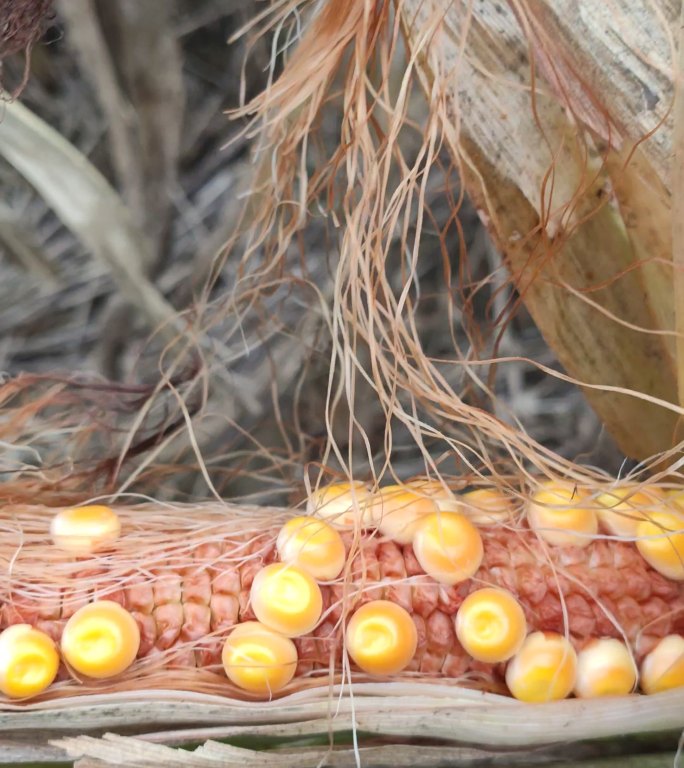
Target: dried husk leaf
{"points": [[392, 711], [587, 238]]}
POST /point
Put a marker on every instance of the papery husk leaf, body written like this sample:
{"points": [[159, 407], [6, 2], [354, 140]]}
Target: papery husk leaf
{"points": [[392, 711], [573, 221]]}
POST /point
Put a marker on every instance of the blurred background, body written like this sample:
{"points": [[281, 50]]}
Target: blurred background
{"points": [[96, 397]]}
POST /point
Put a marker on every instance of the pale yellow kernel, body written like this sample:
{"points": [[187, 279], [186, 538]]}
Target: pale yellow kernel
{"points": [[313, 545], [397, 511], [491, 625], [663, 668], [257, 659], [660, 540], [286, 599], [381, 638], [448, 547], [444, 497], [544, 669], [28, 661], [621, 509], [487, 506], [605, 667], [341, 504], [100, 640], [675, 496], [82, 530], [562, 515]]}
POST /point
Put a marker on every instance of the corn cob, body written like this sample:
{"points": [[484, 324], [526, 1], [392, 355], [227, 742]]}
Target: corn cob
{"points": [[188, 585]]}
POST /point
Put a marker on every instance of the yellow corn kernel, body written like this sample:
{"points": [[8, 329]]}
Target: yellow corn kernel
{"points": [[100, 640], [313, 545], [544, 669], [605, 667], [660, 539], [675, 497], [444, 498], [397, 511], [621, 509], [28, 661], [448, 547], [487, 506], [663, 668], [343, 504], [557, 513], [257, 659], [286, 599], [82, 530], [381, 638], [491, 625]]}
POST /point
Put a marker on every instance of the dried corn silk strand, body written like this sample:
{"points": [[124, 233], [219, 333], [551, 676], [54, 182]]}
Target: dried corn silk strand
{"points": [[185, 573]]}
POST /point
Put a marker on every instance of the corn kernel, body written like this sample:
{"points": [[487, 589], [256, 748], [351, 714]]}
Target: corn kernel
{"points": [[621, 509], [257, 659], [663, 668], [605, 667], [444, 498], [101, 639], [448, 547], [381, 638], [82, 530], [313, 545], [342, 504], [661, 543], [675, 497], [491, 625], [555, 511], [397, 512], [487, 506], [286, 599], [544, 669], [28, 661]]}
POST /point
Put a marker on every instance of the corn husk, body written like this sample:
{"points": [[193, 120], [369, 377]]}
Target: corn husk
{"points": [[466, 723], [580, 208]]}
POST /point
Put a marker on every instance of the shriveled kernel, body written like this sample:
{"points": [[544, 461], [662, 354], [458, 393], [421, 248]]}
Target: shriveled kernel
{"points": [[82, 530], [491, 625], [257, 659], [561, 514], [605, 667], [448, 547], [313, 545], [663, 668], [28, 661], [445, 499], [621, 509], [342, 504], [660, 540], [397, 512], [381, 638], [100, 640], [544, 669], [286, 599], [487, 506]]}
